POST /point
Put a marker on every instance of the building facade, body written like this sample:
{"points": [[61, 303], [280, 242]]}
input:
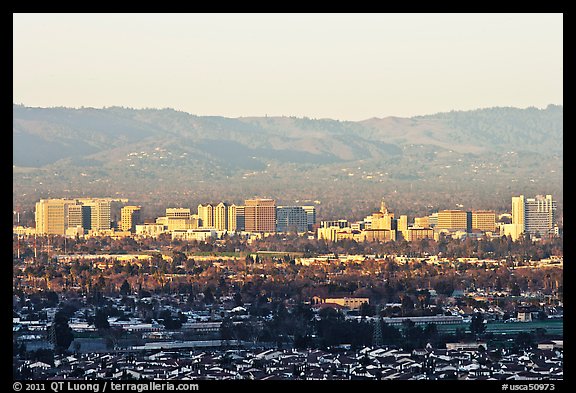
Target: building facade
{"points": [[129, 218], [484, 220], [206, 215], [260, 215], [99, 212], [179, 218], [453, 220], [310, 215], [539, 215], [51, 216], [291, 219], [236, 218], [220, 217], [55, 216]]}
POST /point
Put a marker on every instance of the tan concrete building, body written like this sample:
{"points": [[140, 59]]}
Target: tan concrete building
{"points": [[129, 218], [99, 212], [353, 303], [381, 220], [51, 216], [151, 230], [422, 222], [220, 217], [402, 226], [232, 224], [328, 233], [484, 220], [454, 220], [518, 211], [512, 230], [415, 234], [206, 215], [179, 218], [381, 235], [75, 215]]}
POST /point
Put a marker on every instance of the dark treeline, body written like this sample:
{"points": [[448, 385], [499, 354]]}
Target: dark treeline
{"points": [[489, 248]]}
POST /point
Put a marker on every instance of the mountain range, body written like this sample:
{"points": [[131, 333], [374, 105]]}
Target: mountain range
{"points": [[131, 150]]}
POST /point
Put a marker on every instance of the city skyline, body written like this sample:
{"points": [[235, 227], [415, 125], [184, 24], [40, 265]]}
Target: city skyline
{"points": [[532, 216], [314, 65]]}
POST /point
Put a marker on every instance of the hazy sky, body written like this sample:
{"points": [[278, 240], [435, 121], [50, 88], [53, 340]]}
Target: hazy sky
{"points": [[341, 66]]}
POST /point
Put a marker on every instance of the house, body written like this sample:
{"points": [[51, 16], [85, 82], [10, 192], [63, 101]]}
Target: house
{"points": [[524, 316]]}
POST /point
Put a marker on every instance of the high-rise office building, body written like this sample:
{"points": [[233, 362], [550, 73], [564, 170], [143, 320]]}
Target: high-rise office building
{"points": [[454, 220], [381, 220], [129, 218], [484, 220], [75, 215], [56, 216], [518, 211], [311, 216], [260, 215], [51, 216], [232, 221], [539, 215], [291, 219], [99, 212], [402, 225], [240, 213], [179, 218]]}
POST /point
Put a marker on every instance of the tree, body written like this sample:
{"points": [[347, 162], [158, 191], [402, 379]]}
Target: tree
{"points": [[477, 326], [62, 333], [238, 299], [226, 330], [367, 310], [101, 320], [125, 289], [407, 305], [524, 340], [170, 322], [208, 296]]}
